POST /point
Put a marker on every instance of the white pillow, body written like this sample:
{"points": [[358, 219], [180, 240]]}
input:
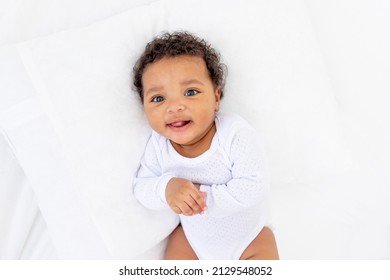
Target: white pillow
{"points": [[24, 19], [82, 79], [101, 128]]}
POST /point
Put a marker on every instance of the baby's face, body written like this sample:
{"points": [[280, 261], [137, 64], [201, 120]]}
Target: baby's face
{"points": [[180, 100]]}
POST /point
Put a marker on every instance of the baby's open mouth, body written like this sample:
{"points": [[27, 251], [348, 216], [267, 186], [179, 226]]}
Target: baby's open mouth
{"points": [[179, 123]]}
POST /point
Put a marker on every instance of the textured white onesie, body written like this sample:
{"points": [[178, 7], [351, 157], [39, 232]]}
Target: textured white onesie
{"points": [[232, 172]]}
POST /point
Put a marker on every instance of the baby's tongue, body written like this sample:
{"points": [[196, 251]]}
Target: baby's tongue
{"points": [[179, 124]]}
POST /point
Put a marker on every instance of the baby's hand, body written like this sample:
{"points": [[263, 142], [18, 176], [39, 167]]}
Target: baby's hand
{"points": [[184, 197]]}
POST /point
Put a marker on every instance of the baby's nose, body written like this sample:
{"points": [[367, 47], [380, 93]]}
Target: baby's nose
{"points": [[175, 106]]}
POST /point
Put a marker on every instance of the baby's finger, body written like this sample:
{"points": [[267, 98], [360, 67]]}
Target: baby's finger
{"points": [[200, 201], [176, 210], [185, 209], [196, 209]]}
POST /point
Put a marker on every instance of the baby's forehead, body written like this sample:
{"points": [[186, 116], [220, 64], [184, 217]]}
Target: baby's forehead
{"points": [[183, 70], [185, 63]]}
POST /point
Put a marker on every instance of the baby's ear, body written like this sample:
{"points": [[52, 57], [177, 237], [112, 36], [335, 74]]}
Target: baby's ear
{"points": [[218, 93]]}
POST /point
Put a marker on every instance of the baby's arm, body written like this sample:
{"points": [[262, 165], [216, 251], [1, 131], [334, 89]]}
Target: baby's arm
{"points": [[248, 185]]}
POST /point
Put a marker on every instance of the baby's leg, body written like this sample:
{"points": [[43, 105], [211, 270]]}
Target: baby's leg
{"points": [[263, 247], [178, 247]]}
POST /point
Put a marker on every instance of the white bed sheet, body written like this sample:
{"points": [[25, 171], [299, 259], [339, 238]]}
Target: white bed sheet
{"points": [[321, 208], [23, 233]]}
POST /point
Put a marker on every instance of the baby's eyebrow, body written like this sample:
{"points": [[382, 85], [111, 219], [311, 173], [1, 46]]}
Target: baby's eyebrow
{"points": [[191, 81], [153, 89]]}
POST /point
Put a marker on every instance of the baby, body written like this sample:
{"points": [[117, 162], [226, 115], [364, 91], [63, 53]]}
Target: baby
{"points": [[204, 165]]}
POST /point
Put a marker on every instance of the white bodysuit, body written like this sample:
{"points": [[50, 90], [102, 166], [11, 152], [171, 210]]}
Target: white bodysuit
{"points": [[232, 172]]}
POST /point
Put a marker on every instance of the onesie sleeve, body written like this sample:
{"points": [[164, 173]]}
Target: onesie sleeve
{"points": [[150, 183], [248, 185]]}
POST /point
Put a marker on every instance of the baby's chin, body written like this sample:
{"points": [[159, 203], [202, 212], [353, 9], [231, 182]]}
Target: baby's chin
{"points": [[180, 142], [183, 142]]}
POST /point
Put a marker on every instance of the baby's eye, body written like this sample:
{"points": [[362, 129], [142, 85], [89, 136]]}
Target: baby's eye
{"points": [[158, 99], [191, 92]]}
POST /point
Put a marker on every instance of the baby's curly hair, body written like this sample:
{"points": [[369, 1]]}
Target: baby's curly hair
{"points": [[175, 44]]}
